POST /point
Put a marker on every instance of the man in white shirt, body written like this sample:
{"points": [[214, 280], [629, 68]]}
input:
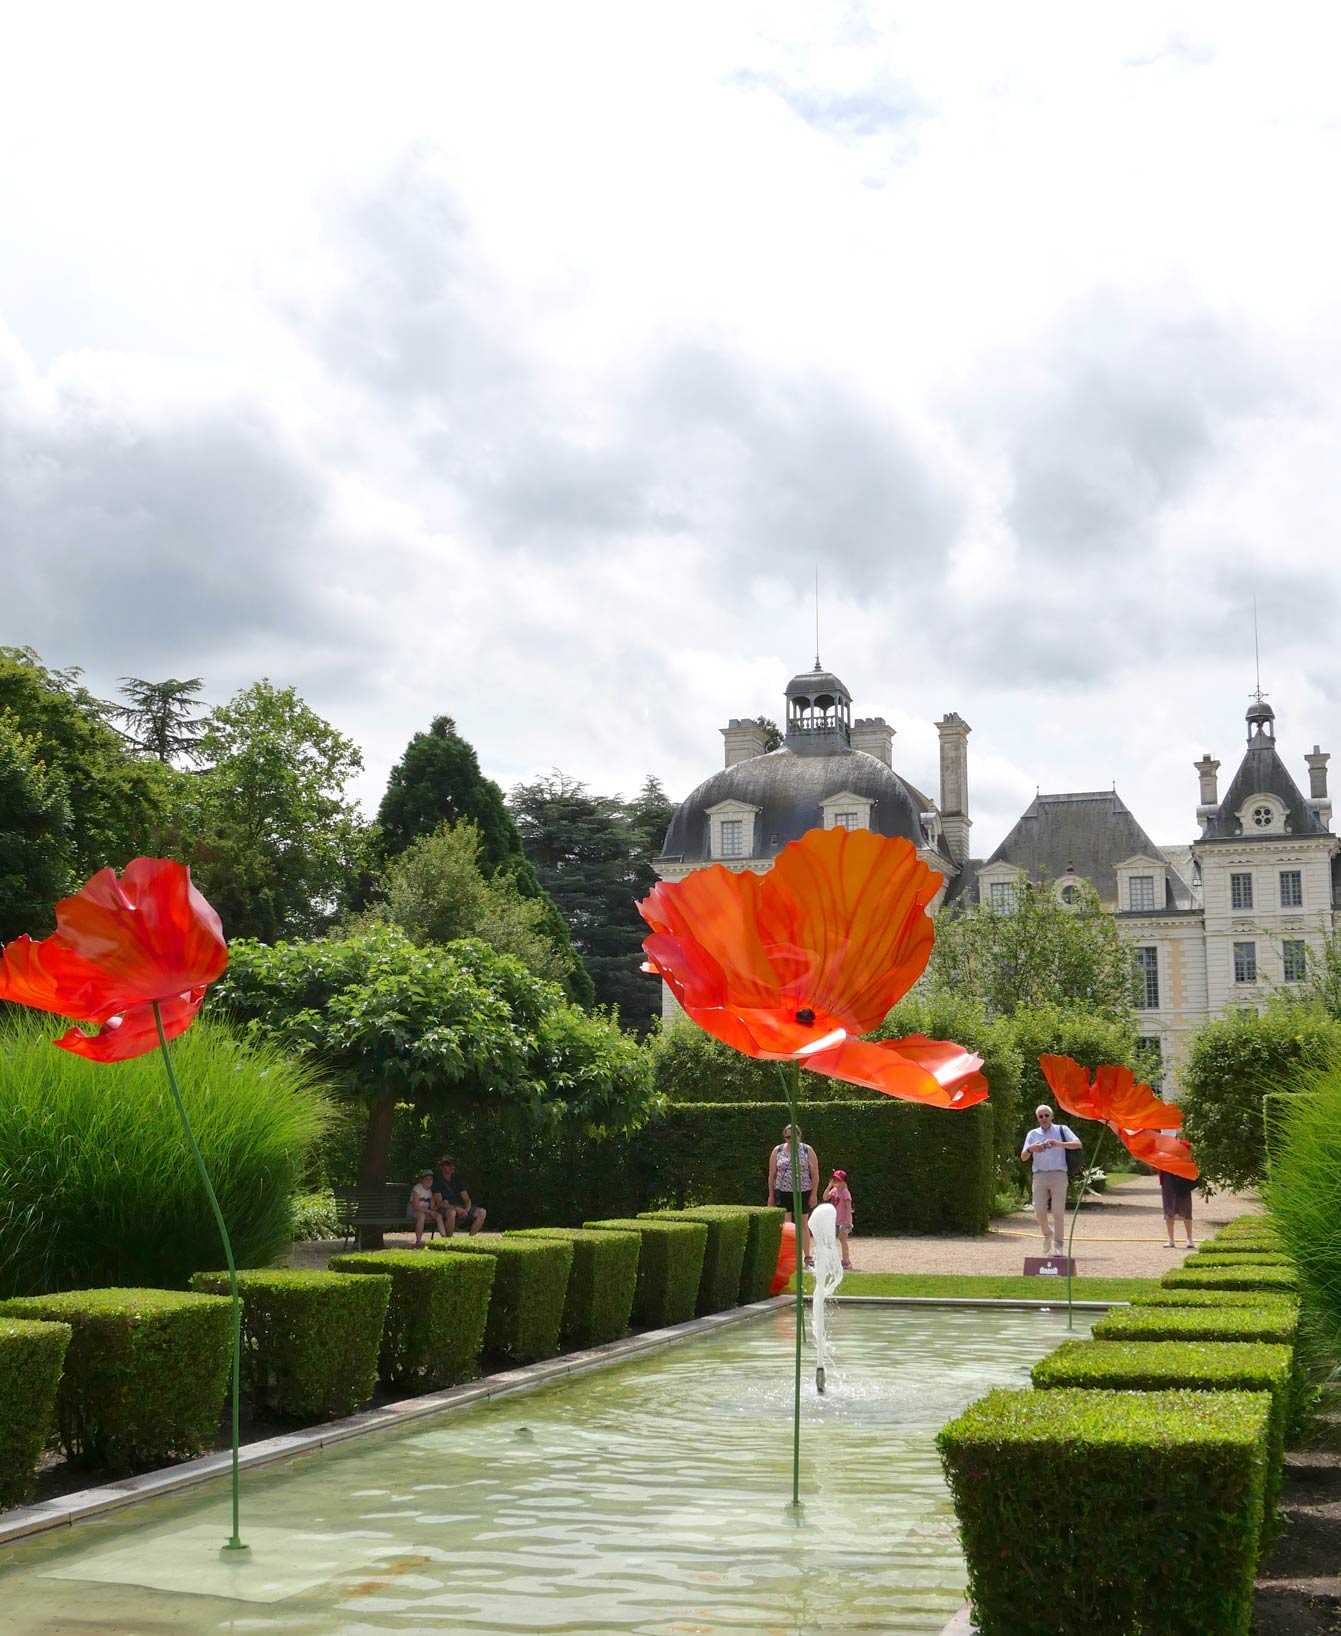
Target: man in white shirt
{"points": [[1046, 1145]]}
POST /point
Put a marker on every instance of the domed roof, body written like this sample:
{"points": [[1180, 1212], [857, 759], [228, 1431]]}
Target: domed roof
{"points": [[811, 683], [787, 789], [1260, 710]]}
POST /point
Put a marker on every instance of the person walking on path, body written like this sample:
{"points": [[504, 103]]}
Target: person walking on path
{"points": [[780, 1182], [1175, 1193], [1046, 1145]]}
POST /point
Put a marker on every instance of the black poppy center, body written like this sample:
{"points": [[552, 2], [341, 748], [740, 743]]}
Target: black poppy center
{"points": [[805, 1015]]}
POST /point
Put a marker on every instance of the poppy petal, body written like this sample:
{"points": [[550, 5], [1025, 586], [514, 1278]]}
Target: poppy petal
{"points": [[1159, 1152], [51, 977], [1115, 1095], [134, 1033], [715, 914], [935, 1072], [843, 915], [151, 933]]}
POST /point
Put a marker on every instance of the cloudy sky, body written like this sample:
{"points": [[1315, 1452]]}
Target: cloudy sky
{"points": [[522, 363]]}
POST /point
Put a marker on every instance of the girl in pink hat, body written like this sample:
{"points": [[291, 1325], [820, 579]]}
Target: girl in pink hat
{"points": [[839, 1195]]}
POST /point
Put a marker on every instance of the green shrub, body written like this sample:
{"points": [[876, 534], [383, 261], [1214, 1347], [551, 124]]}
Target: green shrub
{"points": [[1235, 1258], [310, 1340], [314, 1216], [670, 1265], [916, 1170], [1157, 1297], [943, 1015], [1232, 1063], [1162, 1366], [719, 1283], [1279, 1280], [435, 1319], [31, 1355], [761, 1249], [1161, 1496], [111, 1136], [1302, 1194], [1249, 1227], [145, 1373], [530, 1287], [1277, 1325], [600, 1286]]}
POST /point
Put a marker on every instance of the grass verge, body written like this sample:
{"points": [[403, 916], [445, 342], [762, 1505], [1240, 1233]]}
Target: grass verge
{"points": [[947, 1286]]}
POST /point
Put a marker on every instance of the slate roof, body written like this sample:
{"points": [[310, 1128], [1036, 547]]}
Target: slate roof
{"points": [[1090, 832], [1262, 772], [788, 788]]}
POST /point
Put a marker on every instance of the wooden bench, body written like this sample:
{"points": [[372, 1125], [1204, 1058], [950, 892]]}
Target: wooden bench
{"points": [[385, 1206]]}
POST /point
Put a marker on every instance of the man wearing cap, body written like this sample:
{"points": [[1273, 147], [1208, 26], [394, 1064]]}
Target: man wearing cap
{"points": [[1047, 1146]]}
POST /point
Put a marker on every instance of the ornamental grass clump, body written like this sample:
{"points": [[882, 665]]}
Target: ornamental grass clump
{"points": [[1110, 1511], [97, 1187], [723, 1256], [599, 1301], [310, 1340], [529, 1288], [31, 1355], [1304, 1195], [670, 1266], [145, 1376]]}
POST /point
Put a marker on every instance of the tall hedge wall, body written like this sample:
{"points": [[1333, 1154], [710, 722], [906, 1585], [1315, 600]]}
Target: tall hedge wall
{"points": [[912, 1169]]}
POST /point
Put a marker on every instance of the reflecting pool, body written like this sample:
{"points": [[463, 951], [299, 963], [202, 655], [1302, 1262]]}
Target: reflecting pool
{"points": [[648, 1499]]}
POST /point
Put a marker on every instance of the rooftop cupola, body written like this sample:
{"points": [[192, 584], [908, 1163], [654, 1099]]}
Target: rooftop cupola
{"points": [[1261, 719], [819, 713]]}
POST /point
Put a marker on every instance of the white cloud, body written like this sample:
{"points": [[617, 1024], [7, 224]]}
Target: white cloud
{"points": [[521, 363]]}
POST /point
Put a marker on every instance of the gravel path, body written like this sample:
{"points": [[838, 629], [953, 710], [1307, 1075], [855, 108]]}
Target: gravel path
{"points": [[1119, 1235]]}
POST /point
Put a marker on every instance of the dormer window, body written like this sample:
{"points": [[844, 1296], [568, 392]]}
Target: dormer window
{"points": [[845, 809], [733, 837], [846, 820], [732, 830], [1263, 817], [1141, 893]]}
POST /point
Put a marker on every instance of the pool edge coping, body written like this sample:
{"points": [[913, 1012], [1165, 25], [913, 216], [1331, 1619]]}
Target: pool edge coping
{"points": [[24, 1522]]}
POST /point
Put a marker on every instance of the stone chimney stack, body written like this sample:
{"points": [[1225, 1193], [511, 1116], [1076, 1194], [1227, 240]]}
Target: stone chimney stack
{"points": [[1210, 797], [874, 735], [955, 821], [744, 740], [1319, 801]]}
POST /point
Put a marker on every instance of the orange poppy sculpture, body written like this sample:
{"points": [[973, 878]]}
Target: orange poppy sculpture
{"points": [[1131, 1110], [797, 964], [132, 958], [794, 966]]}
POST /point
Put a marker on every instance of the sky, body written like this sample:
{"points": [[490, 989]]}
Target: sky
{"points": [[523, 363]]}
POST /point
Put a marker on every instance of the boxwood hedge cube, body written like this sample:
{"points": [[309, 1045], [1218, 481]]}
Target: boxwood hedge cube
{"points": [[599, 1301], [435, 1319], [670, 1265], [31, 1355], [530, 1286]]}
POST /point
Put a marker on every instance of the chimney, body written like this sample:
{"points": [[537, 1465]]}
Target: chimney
{"points": [[955, 821], [1319, 802], [874, 735], [1210, 798], [744, 740]]}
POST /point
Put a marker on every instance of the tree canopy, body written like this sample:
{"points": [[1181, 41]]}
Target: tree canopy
{"points": [[36, 846], [593, 856], [159, 719]]}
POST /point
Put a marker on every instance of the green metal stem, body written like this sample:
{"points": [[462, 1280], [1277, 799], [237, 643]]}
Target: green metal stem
{"points": [[1071, 1236], [235, 1543], [791, 1090]]}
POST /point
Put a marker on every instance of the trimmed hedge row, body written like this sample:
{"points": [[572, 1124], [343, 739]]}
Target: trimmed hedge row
{"points": [[1277, 1325], [529, 1288], [670, 1266], [1278, 1280], [146, 1371], [310, 1340], [1184, 1471], [761, 1249], [1237, 1258], [31, 1354], [1206, 1366], [1214, 1298], [1248, 1227], [434, 1327], [600, 1286], [723, 1255]]}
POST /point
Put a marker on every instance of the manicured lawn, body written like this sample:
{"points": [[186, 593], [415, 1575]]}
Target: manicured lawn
{"points": [[987, 1287]]}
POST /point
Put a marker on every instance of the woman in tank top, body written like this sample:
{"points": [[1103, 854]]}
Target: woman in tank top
{"points": [[780, 1181]]}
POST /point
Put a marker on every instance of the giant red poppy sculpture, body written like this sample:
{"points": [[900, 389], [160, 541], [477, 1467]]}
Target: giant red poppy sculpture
{"points": [[132, 958], [1127, 1107], [795, 965]]}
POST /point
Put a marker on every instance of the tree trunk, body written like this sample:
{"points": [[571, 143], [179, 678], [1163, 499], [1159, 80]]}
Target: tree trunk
{"points": [[376, 1158]]}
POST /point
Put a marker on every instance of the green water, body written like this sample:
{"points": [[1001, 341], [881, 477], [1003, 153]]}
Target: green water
{"points": [[649, 1499]]}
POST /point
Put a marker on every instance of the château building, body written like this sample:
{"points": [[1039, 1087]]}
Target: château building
{"points": [[1219, 921]]}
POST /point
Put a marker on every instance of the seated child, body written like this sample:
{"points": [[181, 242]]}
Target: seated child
{"points": [[423, 1209]]}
